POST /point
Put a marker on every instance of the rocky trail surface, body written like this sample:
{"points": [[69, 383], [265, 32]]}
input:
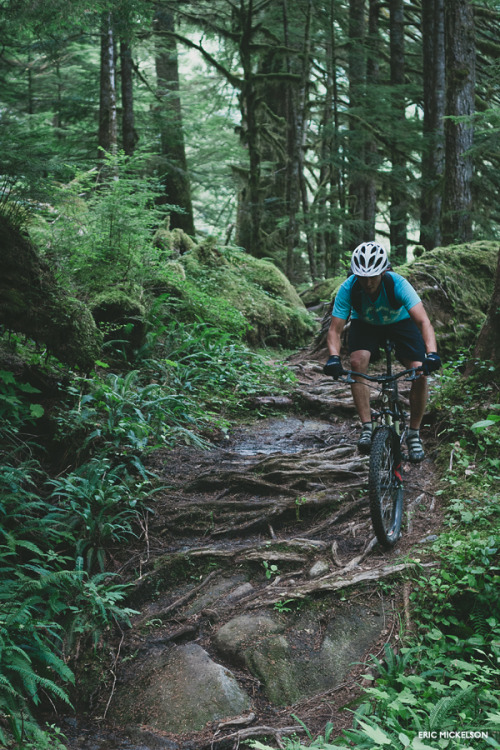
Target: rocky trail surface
{"points": [[258, 596]]}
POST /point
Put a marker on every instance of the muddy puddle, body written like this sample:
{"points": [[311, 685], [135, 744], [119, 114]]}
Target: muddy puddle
{"points": [[282, 435]]}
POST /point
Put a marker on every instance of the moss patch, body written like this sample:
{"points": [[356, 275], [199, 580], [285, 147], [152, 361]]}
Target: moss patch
{"points": [[120, 316], [237, 293], [455, 284]]}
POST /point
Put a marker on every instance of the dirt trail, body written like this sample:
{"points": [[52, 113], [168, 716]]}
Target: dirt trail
{"points": [[276, 497]]}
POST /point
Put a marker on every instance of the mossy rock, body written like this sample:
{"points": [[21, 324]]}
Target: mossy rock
{"points": [[120, 316], [235, 292], [230, 288], [322, 292], [173, 241], [32, 302], [455, 284]]}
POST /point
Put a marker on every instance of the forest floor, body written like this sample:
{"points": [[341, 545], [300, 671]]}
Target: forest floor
{"points": [[284, 490]]}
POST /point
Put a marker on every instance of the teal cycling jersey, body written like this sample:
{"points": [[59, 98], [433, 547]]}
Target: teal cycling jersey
{"points": [[378, 311]]}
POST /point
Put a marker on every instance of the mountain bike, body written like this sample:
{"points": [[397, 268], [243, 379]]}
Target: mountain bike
{"points": [[389, 428]]}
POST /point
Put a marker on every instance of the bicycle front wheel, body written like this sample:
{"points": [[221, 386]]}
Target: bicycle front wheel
{"points": [[385, 486]]}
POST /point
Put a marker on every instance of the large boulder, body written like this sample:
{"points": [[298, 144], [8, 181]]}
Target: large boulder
{"points": [[179, 689], [298, 657], [455, 284]]}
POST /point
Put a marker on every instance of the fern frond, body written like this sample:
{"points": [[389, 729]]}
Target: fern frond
{"points": [[445, 706]]}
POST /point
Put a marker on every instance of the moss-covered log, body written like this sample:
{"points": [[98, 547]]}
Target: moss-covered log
{"points": [[33, 303]]}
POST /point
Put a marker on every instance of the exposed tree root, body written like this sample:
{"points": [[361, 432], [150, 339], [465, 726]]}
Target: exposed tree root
{"points": [[331, 582]]}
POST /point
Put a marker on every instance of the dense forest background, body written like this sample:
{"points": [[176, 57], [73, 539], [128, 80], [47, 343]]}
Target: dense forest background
{"points": [[176, 179], [295, 130]]}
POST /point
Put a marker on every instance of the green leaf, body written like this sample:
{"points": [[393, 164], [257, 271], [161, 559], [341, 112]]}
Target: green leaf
{"points": [[376, 734], [37, 410], [417, 744], [7, 377], [483, 423]]}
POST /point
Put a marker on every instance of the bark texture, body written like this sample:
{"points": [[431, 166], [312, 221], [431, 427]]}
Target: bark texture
{"points": [[175, 171], [433, 125], [460, 84]]}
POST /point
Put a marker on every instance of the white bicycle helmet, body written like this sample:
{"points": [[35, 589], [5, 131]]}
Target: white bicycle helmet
{"points": [[369, 259]]}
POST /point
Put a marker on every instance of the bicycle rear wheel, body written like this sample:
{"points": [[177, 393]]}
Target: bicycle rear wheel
{"points": [[385, 486]]}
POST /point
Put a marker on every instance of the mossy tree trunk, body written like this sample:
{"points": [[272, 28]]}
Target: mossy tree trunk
{"points": [[108, 132], [399, 197], [488, 343], [175, 171], [433, 124], [456, 220], [128, 130]]}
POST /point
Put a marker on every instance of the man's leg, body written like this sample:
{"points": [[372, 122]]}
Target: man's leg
{"points": [[418, 402], [360, 360], [410, 349], [418, 397]]}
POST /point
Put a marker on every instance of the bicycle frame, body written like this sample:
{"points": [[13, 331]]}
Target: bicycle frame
{"points": [[385, 477], [391, 412]]}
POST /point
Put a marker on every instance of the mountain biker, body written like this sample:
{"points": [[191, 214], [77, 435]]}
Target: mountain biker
{"points": [[380, 309]]}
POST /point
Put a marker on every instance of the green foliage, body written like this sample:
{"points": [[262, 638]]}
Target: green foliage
{"points": [[97, 505], [270, 569], [471, 433], [102, 233], [16, 407]]}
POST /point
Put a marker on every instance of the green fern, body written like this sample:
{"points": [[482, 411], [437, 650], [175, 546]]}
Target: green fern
{"points": [[448, 705], [478, 619]]}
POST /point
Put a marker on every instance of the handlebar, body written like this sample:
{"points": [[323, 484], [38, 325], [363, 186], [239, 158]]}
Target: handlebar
{"points": [[410, 374]]}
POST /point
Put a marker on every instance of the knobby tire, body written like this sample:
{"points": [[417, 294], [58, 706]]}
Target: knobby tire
{"points": [[385, 486]]}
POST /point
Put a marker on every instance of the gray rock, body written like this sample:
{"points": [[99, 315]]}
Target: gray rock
{"points": [[239, 593], [179, 691], [320, 568], [245, 632], [430, 538], [296, 657]]}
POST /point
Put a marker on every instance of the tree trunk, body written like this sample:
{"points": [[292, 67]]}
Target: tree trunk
{"points": [[293, 144], [303, 121], [433, 126], [488, 343], [250, 215], [372, 80], [327, 241], [399, 200], [175, 175], [356, 231], [108, 132], [128, 132], [460, 83]]}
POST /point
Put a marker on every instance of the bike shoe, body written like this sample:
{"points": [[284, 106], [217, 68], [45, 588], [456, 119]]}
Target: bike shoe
{"points": [[365, 440], [416, 451]]}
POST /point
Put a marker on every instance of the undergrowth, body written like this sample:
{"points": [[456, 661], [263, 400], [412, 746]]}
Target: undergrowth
{"points": [[60, 529], [441, 689]]}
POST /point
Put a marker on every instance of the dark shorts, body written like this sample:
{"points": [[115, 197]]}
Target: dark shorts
{"points": [[405, 334]]}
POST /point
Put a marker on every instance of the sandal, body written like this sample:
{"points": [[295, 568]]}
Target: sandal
{"points": [[416, 451]]}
